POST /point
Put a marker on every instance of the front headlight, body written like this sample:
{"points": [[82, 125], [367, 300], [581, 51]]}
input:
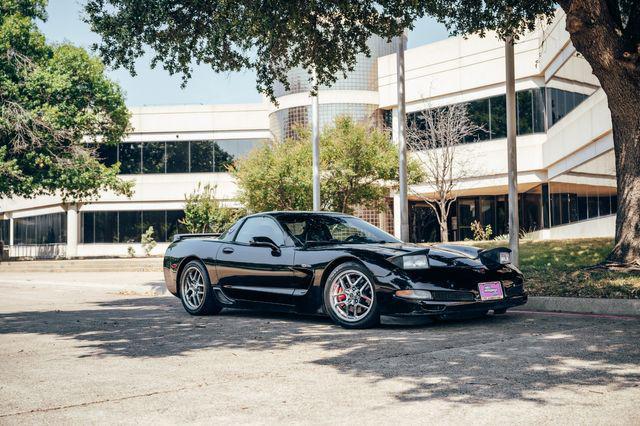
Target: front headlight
{"points": [[418, 261], [505, 257]]}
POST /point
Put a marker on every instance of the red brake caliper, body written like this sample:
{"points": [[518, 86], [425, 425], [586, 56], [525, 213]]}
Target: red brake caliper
{"points": [[342, 296]]}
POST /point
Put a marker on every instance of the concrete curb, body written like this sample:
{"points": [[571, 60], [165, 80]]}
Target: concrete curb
{"points": [[583, 305]]}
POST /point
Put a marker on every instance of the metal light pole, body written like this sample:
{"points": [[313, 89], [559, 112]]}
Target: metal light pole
{"points": [[402, 144], [512, 164], [315, 143]]}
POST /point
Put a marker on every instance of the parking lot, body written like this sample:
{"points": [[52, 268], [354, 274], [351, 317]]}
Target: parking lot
{"points": [[105, 347]]}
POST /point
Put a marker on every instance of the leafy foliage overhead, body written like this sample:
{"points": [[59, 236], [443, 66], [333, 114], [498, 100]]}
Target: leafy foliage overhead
{"points": [[54, 100], [269, 37]]}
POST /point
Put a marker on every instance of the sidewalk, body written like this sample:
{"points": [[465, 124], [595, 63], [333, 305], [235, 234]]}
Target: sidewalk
{"points": [[146, 264]]}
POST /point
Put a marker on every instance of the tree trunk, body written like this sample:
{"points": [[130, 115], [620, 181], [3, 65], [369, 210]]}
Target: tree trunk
{"points": [[594, 35], [444, 231]]}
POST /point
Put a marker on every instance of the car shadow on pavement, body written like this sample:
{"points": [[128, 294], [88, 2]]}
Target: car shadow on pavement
{"points": [[514, 356]]}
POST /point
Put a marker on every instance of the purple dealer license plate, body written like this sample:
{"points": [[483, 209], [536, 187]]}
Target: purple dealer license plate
{"points": [[490, 290]]}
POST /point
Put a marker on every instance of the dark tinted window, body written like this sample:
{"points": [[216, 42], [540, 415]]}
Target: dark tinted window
{"points": [[157, 220], [153, 157], [260, 227], [108, 154], [87, 222], [177, 157], [42, 229], [106, 227], [129, 227], [201, 157], [524, 106], [498, 117], [130, 158], [173, 223]]}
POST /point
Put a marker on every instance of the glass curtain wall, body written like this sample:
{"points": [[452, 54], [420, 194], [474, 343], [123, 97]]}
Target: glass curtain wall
{"points": [[128, 226], [490, 113], [176, 157], [41, 229]]}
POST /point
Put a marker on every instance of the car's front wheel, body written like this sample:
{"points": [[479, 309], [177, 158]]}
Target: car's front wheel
{"points": [[196, 292], [350, 297]]}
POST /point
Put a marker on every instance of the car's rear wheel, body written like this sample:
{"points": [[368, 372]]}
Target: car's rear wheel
{"points": [[350, 297], [196, 292]]}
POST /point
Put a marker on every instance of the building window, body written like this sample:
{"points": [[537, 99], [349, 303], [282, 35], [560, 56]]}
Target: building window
{"points": [[153, 157], [177, 157], [561, 103], [128, 226], [575, 202], [42, 229], [201, 157], [4, 232], [491, 115], [130, 157]]}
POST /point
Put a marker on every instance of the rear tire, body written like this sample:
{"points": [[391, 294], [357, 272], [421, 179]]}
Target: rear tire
{"points": [[350, 297], [196, 293]]}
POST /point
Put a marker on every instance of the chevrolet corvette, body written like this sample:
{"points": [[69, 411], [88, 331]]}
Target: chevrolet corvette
{"points": [[338, 265]]}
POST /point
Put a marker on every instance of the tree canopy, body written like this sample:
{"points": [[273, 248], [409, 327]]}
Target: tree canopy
{"points": [[358, 163], [269, 37], [56, 107]]}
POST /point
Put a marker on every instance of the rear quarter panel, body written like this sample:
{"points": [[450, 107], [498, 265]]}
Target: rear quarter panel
{"points": [[181, 252]]}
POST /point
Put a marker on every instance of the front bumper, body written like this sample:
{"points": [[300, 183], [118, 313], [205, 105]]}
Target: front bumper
{"points": [[434, 307]]}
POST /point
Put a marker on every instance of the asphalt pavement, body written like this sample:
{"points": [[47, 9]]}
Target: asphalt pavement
{"points": [[111, 348]]}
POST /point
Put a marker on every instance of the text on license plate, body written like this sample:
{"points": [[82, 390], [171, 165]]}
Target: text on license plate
{"points": [[490, 290]]}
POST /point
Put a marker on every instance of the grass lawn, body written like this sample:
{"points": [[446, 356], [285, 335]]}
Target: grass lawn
{"points": [[553, 268]]}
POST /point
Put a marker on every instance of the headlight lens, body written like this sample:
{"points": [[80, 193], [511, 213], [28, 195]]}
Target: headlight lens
{"points": [[418, 261], [505, 257], [414, 294]]}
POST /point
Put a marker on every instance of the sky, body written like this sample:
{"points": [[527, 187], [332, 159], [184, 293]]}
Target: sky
{"points": [[157, 87]]}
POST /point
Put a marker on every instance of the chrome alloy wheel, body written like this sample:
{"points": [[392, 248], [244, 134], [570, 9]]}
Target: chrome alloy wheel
{"points": [[192, 288], [351, 295]]}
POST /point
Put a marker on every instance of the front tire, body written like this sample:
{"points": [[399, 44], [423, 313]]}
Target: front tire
{"points": [[196, 293], [350, 298]]}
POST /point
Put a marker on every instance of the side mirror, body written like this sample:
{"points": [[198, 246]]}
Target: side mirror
{"points": [[265, 242]]}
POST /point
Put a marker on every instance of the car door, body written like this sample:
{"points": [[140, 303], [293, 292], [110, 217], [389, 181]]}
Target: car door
{"points": [[257, 273]]}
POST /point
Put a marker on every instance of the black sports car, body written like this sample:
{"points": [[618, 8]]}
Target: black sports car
{"points": [[336, 264]]}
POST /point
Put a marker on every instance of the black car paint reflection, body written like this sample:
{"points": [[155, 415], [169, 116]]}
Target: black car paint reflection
{"points": [[291, 276]]}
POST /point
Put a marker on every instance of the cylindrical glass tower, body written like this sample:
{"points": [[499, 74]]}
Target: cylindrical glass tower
{"points": [[355, 96]]}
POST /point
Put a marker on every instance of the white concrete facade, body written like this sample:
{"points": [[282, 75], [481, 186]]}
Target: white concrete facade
{"points": [[442, 73]]}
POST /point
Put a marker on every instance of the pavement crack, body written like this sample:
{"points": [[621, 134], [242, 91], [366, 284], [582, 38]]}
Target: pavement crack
{"points": [[103, 401]]}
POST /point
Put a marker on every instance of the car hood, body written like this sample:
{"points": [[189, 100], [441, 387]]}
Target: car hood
{"points": [[445, 253]]}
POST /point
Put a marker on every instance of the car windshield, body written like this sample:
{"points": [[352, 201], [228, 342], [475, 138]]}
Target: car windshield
{"points": [[326, 229]]}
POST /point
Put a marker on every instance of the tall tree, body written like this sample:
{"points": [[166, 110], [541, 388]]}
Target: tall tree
{"points": [[56, 107], [436, 137], [359, 164], [272, 37]]}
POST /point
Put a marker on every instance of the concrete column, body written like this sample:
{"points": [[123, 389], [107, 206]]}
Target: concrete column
{"points": [[11, 236], [72, 231]]}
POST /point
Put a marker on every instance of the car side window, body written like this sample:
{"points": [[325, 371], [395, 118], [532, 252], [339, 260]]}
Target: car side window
{"points": [[260, 227]]}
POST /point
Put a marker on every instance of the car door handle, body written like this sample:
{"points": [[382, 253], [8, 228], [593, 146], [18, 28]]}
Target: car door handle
{"points": [[227, 250]]}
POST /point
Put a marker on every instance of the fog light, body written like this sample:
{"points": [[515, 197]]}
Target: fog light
{"points": [[414, 294]]}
